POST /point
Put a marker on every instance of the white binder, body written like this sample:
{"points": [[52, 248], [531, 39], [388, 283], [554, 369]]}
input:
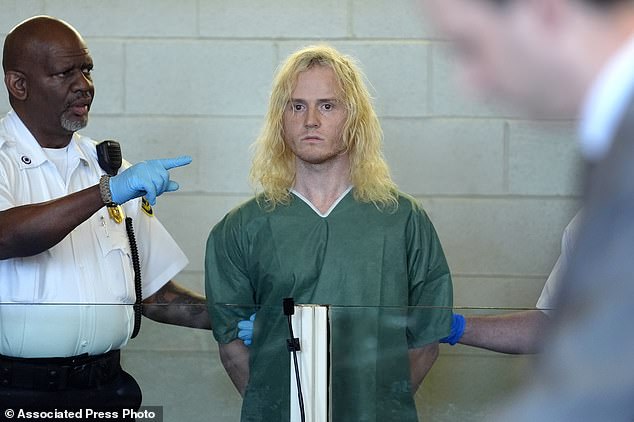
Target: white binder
{"points": [[311, 326]]}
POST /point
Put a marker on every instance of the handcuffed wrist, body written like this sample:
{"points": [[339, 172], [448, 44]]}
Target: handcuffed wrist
{"points": [[458, 323]]}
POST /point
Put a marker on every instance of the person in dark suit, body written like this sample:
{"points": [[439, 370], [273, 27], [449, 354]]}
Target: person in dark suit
{"points": [[571, 58]]}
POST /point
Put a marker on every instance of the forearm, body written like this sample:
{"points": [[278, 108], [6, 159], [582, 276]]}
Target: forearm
{"points": [[173, 304], [516, 333], [31, 229], [235, 358], [421, 360]]}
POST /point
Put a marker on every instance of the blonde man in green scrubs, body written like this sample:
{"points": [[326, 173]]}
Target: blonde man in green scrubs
{"points": [[328, 227]]}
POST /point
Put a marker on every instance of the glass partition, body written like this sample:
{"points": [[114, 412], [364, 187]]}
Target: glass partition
{"points": [[179, 369]]}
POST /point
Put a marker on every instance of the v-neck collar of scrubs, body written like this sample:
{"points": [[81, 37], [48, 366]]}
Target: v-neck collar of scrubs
{"points": [[314, 208]]}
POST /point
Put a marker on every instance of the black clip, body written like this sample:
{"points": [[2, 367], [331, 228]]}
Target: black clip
{"points": [[293, 344]]}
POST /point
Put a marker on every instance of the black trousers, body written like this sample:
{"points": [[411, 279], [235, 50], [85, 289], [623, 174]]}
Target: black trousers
{"points": [[120, 391]]}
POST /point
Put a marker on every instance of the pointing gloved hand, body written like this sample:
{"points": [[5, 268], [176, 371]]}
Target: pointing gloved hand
{"points": [[245, 330], [147, 178], [457, 330]]}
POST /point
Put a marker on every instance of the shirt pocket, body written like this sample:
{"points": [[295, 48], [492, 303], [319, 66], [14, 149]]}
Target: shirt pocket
{"points": [[22, 279], [117, 270]]}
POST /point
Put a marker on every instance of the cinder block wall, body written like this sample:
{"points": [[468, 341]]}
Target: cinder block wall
{"points": [[192, 76]]}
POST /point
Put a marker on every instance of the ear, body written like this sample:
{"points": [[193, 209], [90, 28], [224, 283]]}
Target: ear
{"points": [[16, 84]]}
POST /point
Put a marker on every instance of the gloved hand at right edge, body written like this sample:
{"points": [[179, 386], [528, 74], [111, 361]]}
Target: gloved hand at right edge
{"points": [[457, 330], [147, 178]]}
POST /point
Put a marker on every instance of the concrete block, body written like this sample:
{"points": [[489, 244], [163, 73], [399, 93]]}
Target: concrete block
{"points": [[445, 156], [190, 218], [388, 19], [502, 292], [4, 101], [15, 11], [192, 280], [448, 97], [108, 57], [507, 236], [198, 77], [219, 146], [273, 19], [121, 18], [225, 155], [150, 138], [396, 73], [544, 159]]}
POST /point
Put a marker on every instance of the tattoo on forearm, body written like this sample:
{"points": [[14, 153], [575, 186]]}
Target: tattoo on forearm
{"points": [[175, 305], [187, 301]]}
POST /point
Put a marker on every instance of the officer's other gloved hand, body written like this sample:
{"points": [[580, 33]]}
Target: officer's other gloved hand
{"points": [[245, 330], [147, 178], [457, 330]]}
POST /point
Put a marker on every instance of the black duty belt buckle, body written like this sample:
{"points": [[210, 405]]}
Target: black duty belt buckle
{"points": [[79, 376], [56, 378]]}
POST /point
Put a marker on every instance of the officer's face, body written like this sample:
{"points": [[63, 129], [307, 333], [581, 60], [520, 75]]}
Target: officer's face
{"points": [[59, 85], [314, 118]]}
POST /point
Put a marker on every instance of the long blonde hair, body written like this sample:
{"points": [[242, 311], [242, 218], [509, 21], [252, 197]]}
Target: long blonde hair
{"points": [[274, 163]]}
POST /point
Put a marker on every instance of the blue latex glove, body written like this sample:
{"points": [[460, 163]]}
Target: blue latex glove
{"points": [[147, 178], [245, 330], [457, 330]]}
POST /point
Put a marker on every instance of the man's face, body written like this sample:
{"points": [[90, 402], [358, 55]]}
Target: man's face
{"points": [[314, 117], [503, 52], [60, 88]]}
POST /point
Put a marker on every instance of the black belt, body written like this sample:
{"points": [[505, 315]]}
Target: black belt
{"points": [[54, 374]]}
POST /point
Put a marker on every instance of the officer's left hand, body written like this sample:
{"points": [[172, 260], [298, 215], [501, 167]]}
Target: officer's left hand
{"points": [[150, 178]]}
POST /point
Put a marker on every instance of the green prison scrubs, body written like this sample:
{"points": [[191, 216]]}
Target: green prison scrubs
{"points": [[369, 264]]}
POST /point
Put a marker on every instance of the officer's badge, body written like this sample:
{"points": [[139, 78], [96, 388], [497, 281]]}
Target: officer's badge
{"points": [[116, 213], [146, 207]]}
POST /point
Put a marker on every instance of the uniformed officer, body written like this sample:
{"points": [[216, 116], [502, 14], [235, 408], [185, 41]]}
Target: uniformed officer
{"points": [[60, 245]]}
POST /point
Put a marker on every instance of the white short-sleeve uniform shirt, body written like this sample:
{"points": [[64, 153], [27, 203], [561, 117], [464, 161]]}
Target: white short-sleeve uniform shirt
{"points": [[547, 297], [67, 300]]}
